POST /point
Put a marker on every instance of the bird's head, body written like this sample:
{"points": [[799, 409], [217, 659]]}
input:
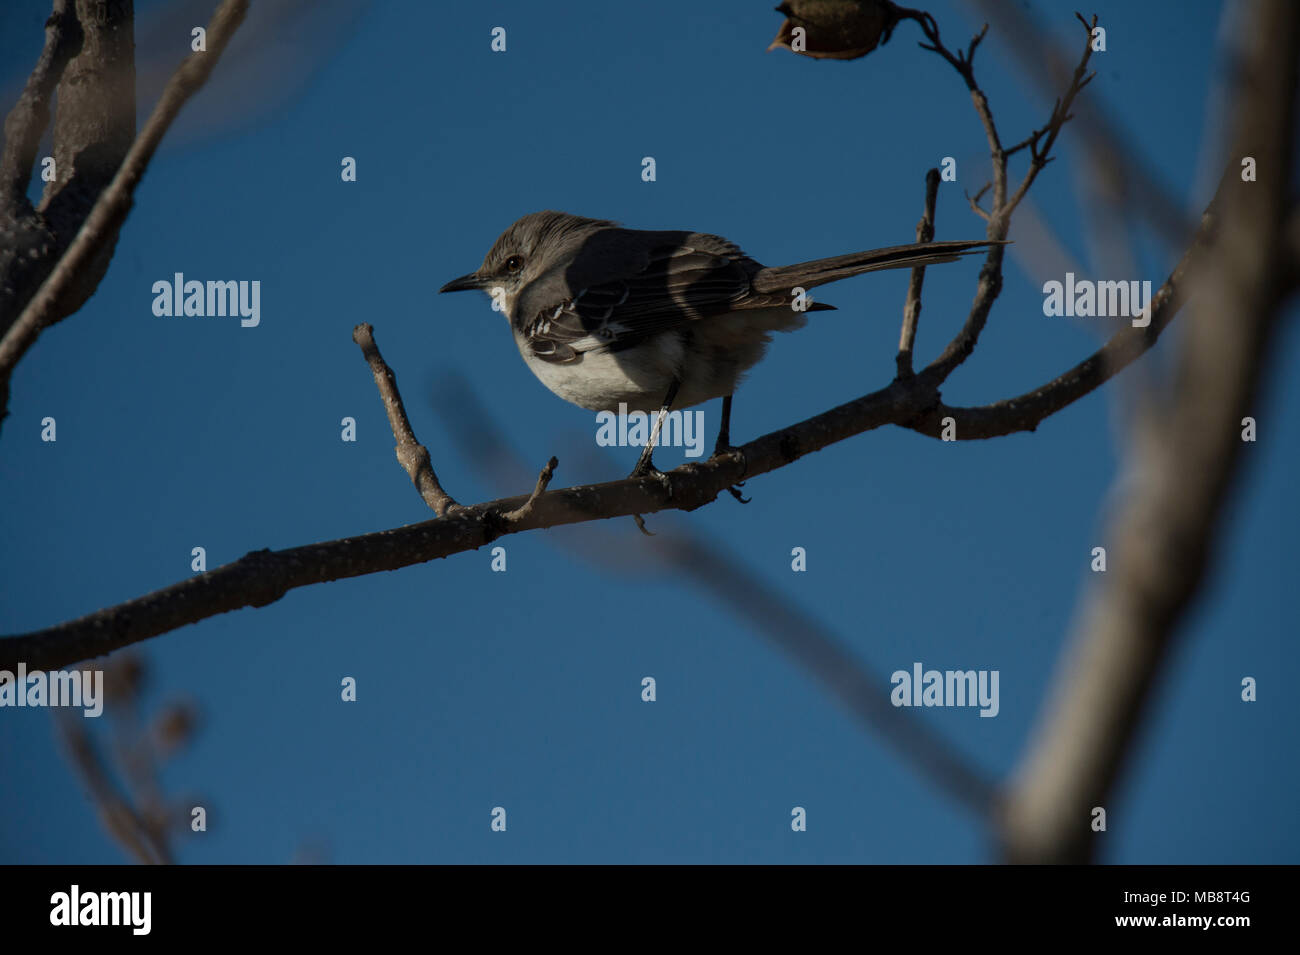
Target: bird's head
{"points": [[527, 250]]}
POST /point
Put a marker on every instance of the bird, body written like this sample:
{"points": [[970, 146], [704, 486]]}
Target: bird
{"points": [[621, 320]]}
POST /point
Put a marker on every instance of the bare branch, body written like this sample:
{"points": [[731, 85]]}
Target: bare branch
{"points": [[1144, 191], [49, 304], [543, 481], [120, 819], [119, 759], [964, 64], [912, 308], [1292, 236], [819, 651], [27, 121], [711, 568], [92, 131], [974, 202], [1040, 155], [1026, 411], [411, 455], [999, 216], [262, 577]]}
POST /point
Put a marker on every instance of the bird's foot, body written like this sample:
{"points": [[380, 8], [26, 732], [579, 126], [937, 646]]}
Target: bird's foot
{"points": [[646, 468], [725, 447]]}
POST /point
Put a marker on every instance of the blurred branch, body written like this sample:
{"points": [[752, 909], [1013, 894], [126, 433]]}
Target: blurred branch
{"points": [[119, 818], [1184, 457], [136, 814], [1293, 246], [720, 574], [864, 694]]}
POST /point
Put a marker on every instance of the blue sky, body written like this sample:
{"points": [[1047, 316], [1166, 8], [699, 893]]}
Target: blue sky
{"points": [[522, 689]]}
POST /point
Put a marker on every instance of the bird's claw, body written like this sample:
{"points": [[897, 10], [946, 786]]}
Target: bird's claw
{"points": [[734, 491]]}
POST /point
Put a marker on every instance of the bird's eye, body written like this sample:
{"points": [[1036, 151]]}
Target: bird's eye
{"points": [[514, 263]]}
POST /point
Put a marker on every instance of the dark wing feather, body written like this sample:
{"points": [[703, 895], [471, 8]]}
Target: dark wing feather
{"points": [[676, 282]]}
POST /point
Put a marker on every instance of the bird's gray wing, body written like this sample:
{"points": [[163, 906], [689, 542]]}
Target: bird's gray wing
{"points": [[625, 285]]}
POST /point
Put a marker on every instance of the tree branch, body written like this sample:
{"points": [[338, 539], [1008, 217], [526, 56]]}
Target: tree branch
{"points": [[27, 121], [262, 577], [1142, 189], [543, 481], [126, 824], [411, 455], [708, 566], [58, 295], [999, 216], [912, 308], [1040, 156], [817, 650], [1026, 411], [1187, 444]]}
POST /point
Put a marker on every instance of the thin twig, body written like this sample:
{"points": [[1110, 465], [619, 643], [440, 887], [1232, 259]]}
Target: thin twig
{"points": [[974, 202], [912, 307], [1040, 155], [964, 64], [543, 480], [121, 819], [413, 456], [1144, 190], [818, 651], [999, 216]]}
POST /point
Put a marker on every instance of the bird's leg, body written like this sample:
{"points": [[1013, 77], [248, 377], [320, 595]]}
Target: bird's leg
{"points": [[724, 430], [724, 445], [645, 464]]}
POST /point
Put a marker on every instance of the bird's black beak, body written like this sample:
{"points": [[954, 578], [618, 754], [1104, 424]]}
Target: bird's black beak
{"points": [[462, 284]]}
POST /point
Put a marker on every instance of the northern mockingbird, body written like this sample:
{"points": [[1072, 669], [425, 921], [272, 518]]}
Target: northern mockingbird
{"points": [[651, 320]]}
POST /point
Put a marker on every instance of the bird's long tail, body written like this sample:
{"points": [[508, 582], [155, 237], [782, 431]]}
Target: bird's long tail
{"points": [[821, 271]]}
